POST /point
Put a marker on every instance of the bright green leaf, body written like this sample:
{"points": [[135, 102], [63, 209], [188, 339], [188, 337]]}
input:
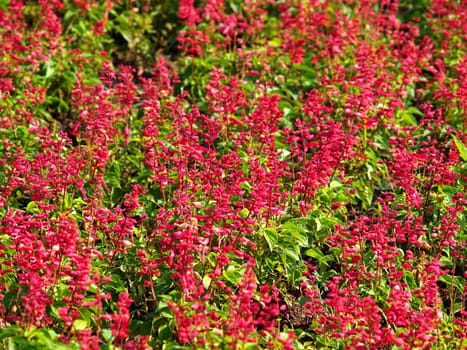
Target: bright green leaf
{"points": [[461, 148]]}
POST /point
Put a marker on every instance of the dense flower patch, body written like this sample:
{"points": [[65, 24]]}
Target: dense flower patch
{"points": [[233, 174]]}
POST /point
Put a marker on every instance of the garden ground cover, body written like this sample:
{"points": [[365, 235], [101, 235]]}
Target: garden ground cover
{"points": [[233, 174]]}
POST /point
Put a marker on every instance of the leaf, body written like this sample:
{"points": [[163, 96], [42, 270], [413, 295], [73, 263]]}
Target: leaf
{"points": [[457, 307], [318, 255], [457, 282], [291, 251], [446, 261], [233, 275], [45, 339], [408, 115], [107, 335], [276, 42], [286, 107], [164, 332], [206, 281], [271, 237], [244, 213], [461, 148], [318, 224], [294, 230], [314, 253], [410, 279], [172, 346], [4, 4], [80, 325], [10, 332], [32, 207], [113, 176], [365, 192]]}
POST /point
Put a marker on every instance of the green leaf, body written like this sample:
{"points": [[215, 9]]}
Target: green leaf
{"points": [[410, 279], [80, 325], [107, 335], [113, 176], [286, 107], [457, 282], [446, 261], [10, 332], [461, 148], [233, 275], [293, 229], [314, 253], [271, 237], [318, 255], [32, 208], [206, 281], [4, 4], [292, 252], [172, 346], [164, 332], [244, 213], [365, 191], [276, 42], [457, 307], [407, 116]]}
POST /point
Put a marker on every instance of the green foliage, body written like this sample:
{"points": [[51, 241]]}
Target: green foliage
{"points": [[15, 338], [141, 29]]}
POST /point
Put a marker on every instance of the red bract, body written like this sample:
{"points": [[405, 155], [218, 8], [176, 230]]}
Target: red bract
{"points": [[121, 321]]}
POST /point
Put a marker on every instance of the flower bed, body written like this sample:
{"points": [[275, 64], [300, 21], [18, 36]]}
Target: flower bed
{"points": [[233, 175]]}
